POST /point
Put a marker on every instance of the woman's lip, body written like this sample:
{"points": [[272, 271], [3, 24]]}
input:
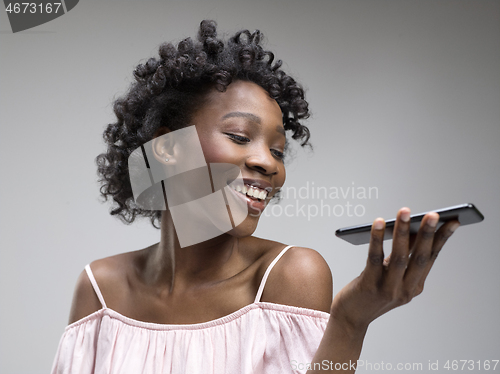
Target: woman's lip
{"points": [[265, 185]]}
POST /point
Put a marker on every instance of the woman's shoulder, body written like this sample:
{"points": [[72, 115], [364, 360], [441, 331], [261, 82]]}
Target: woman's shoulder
{"points": [[110, 275], [301, 277]]}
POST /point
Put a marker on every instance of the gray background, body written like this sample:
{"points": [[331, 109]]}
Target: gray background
{"points": [[405, 97]]}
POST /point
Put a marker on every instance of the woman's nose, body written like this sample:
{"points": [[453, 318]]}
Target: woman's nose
{"points": [[263, 162]]}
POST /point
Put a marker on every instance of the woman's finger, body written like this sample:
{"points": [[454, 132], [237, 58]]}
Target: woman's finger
{"points": [[400, 247], [374, 263], [440, 238], [421, 255], [387, 260]]}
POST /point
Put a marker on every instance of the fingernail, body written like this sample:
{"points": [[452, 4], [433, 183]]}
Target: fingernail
{"points": [[405, 215], [378, 224], [454, 227], [432, 222]]}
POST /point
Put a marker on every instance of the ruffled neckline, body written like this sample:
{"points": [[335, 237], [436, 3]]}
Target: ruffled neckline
{"points": [[286, 309]]}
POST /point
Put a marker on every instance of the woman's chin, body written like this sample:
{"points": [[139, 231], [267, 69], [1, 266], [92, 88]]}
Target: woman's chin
{"points": [[245, 228]]}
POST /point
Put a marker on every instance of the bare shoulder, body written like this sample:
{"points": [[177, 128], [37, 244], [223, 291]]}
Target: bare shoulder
{"points": [[108, 274], [300, 278], [85, 300]]}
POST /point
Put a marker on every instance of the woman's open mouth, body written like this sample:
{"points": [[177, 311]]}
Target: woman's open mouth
{"points": [[254, 196], [253, 192]]}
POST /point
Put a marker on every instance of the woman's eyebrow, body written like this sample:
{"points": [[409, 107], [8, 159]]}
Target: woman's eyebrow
{"points": [[280, 129], [249, 116], [253, 118]]}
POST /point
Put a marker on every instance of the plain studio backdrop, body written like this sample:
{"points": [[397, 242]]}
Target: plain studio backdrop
{"points": [[405, 97]]}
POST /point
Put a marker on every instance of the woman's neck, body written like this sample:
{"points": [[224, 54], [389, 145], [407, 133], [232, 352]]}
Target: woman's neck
{"points": [[211, 261]]}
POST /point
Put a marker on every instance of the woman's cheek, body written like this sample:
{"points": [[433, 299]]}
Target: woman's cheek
{"points": [[217, 152]]}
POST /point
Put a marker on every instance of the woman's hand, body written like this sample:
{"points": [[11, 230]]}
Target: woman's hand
{"points": [[386, 284]]}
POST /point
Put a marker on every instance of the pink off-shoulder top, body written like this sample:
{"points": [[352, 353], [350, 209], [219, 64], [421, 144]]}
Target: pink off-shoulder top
{"points": [[259, 338]]}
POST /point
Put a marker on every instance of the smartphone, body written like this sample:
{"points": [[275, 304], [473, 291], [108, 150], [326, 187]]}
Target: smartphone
{"points": [[466, 214]]}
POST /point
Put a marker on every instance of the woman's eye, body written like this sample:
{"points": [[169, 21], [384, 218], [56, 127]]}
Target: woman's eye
{"points": [[243, 139], [278, 154], [238, 139]]}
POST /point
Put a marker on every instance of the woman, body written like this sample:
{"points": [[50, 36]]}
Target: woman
{"points": [[215, 306]]}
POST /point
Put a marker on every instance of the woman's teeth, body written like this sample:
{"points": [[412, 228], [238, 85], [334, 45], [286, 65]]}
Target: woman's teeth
{"points": [[251, 191]]}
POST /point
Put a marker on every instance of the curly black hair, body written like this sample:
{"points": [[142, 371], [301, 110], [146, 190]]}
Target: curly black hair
{"points": [[167, 91]]}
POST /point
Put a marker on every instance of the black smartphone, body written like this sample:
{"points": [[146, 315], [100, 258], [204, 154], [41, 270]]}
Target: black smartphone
{"points": [[466, 214]]}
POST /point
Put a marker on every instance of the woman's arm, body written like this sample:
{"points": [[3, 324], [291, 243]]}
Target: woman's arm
{"points": [[339, 349], [382, 286]]}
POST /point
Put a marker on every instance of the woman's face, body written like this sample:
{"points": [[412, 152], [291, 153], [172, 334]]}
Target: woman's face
{"points": [[243, 126]]}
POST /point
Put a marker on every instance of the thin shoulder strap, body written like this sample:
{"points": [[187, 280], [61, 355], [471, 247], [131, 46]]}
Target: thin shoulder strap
{"points": [[266, 274], [94, 284]]}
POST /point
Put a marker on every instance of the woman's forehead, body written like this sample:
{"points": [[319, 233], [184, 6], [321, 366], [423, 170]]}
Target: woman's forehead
{"points": [[243, 98]]}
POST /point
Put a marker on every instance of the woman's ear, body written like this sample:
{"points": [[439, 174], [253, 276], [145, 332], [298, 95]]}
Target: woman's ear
{"points": [[163, 146]]}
